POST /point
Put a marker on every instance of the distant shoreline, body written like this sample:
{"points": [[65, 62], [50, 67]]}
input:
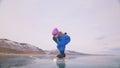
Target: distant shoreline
{"points": [[12, 54]]}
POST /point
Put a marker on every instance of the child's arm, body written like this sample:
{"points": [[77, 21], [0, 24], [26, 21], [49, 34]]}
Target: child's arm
{"points": [[55, 39]]}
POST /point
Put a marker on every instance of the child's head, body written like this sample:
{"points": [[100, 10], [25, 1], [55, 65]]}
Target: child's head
{"points": [[61, 33]]}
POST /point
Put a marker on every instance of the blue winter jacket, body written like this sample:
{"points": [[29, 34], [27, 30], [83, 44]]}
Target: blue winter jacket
{"points": [[62, 41]]}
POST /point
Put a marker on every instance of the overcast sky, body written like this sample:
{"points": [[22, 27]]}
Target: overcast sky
{"points": [[94, 25]]}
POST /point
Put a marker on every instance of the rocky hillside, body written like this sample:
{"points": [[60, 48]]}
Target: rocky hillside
{"points": [[8, 46]]}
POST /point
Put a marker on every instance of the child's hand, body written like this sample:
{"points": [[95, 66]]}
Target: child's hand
{"points": [[56, 36]]}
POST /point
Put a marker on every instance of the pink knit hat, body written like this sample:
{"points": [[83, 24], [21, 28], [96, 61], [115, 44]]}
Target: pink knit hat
{"points": [[55, 31]]}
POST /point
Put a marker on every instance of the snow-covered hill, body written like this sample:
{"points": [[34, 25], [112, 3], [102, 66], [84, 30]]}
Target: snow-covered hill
{"points": [[8, 46]]}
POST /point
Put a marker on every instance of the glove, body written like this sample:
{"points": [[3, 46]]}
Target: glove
{"points": [[55, 39]]}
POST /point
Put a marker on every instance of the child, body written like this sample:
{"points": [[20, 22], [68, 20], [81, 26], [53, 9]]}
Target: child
{"points": [[62, 39]]}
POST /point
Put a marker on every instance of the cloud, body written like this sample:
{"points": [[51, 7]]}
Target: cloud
{"points": [[101, 37], [115, 49], [112, 51]]}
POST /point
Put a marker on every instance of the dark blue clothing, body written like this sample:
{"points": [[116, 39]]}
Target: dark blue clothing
{"points": [[62, 41]]}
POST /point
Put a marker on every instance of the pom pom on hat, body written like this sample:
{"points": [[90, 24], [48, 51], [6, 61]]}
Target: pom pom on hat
{"points": [[55, 31]]}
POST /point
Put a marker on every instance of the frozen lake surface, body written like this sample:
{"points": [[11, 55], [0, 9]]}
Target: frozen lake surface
{"points": [[47, 62]]}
